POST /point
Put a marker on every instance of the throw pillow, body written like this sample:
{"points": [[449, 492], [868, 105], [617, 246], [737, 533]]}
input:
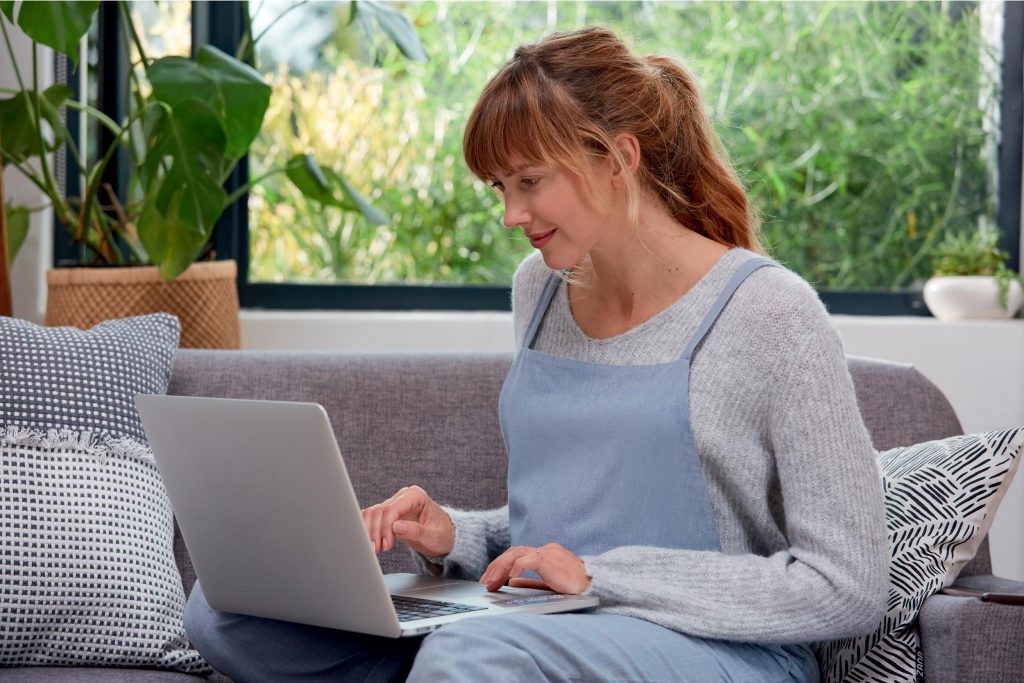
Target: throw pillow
{"points": [[86, 530], [940, 499]]}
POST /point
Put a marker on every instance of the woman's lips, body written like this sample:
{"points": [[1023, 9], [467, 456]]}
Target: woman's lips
{"points": [[540, 240]]}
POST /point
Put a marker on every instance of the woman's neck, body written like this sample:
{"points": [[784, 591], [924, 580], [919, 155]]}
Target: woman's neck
{"points": [[641, 272]]}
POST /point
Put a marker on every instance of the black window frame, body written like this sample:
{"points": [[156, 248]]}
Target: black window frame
{"points": [[221, 24]]}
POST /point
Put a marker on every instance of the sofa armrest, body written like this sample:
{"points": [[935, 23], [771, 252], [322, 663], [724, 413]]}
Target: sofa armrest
{"points": [[966, 639]]}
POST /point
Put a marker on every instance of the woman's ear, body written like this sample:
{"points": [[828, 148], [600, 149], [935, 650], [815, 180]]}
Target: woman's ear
{"points": [[629, 150]]}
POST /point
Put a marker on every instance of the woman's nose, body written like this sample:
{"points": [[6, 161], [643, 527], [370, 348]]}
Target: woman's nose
{"points": [[515, 215]]}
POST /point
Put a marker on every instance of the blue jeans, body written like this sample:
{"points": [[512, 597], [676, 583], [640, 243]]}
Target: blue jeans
{"points": [[569, 648]]}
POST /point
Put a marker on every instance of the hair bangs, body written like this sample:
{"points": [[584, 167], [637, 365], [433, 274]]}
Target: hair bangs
{"points": [[521, 118]]}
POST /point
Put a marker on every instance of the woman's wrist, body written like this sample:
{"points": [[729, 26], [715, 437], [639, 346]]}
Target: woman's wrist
{"points": [[439, 559]]}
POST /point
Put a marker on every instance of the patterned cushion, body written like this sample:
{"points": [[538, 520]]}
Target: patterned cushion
{"points": [[86, 531], [940, 497], [65, 378]]}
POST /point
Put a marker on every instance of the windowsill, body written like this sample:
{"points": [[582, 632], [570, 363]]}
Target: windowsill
{"points": [[332, 330]]}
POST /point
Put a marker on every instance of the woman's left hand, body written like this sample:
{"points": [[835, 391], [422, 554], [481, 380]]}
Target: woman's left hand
{"points": [[559, 569]]}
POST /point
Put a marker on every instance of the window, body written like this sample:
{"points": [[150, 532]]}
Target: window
{"points": [[888, 131]]}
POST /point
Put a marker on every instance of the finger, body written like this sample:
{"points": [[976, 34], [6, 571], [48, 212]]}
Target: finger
{"points": [[529, 583], [366, 515], [387, 520], [375, 529], [525, 563], [498, 571]]}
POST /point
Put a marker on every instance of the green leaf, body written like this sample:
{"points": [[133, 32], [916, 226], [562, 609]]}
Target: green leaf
{"points": [[181, 175], [234, 90], [17, 121], [58, 25], [7, 7], [305, 173], [171, 249], [244, 97], [372, 214], [17, 229], [396, 25]]}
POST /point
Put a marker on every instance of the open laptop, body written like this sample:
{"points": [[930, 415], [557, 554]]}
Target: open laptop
{"points": [[272, 525]]}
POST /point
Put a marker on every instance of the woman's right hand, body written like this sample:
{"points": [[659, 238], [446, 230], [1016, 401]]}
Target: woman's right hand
{"points": [[413, 518]]}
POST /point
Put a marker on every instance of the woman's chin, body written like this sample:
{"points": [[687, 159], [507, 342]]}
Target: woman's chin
{"points": [[557, 261], [560, 259]]}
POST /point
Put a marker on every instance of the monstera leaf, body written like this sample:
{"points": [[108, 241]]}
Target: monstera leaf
{"points": [[181, 175], [21, 136], [235, 92], [329, 187], [57, 25]]}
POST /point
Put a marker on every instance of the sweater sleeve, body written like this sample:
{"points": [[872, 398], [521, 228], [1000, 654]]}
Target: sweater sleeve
{"points": [[480, 536], [831, 581]]}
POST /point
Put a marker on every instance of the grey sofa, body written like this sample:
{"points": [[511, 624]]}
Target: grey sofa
{"points": [[431, 419]]}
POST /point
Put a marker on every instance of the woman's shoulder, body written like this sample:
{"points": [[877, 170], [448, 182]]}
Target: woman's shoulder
{"points": [[780, 297], [528, 283]]}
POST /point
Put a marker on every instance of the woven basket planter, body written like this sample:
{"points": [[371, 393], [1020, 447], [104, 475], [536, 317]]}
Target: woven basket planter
{"points": [[204, 297]]}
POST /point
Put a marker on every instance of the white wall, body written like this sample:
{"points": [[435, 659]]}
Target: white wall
{"points": [[28, 288]]}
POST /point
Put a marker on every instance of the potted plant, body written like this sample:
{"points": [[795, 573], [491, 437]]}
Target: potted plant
{"points": [[971, 279], [190, 122]]}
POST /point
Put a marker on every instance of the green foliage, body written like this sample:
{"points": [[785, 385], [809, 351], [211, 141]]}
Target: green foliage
{"points": [[17, 229], [975, 253], [57, 25], [855, 126], [191, 122]]}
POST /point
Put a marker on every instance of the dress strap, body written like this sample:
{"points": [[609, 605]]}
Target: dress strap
{"points": [[542, 305], [723, 298]]}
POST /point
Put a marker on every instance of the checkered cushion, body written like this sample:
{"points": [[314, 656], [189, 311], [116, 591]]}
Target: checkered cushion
{"points": [[66, 378], [86, 530]]}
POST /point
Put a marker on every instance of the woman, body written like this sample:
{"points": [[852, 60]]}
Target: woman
{"points": [[683, 434]]}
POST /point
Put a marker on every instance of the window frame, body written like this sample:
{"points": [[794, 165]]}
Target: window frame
{"points": [[221, 24]]}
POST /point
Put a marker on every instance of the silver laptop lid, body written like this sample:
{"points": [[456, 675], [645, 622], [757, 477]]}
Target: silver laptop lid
{"points": [[268, 512]]}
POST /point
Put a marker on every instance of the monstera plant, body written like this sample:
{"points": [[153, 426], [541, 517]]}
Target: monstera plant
{"points": [[190, 121]]}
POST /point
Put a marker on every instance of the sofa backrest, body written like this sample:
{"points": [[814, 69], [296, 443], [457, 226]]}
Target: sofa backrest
{"points": [[432, 419]]}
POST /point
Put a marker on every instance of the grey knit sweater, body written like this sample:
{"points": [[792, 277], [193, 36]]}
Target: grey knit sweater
{"points": [[792, 477]]}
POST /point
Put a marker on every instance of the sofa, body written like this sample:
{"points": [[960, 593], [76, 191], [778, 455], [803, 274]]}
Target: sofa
{"points": [[431, 419]]}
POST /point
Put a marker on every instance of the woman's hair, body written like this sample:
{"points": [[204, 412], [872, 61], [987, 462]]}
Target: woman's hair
{"points": [[565, 98]]}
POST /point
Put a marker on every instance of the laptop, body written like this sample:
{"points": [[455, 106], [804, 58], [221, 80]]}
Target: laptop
{"points": [[273, 527]]}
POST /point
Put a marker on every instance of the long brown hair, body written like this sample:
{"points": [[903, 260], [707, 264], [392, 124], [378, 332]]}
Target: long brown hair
{"points": [[566, 97]]}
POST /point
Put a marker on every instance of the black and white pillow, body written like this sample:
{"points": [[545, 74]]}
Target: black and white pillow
{"points": [[66, 378], [86, 530], [940, 498]]}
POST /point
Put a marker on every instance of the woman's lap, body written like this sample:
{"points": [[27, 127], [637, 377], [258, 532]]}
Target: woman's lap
{"points": [[564, 647]]}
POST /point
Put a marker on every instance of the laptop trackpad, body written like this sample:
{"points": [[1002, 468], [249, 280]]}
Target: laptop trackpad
{"points": [[437, 588]]}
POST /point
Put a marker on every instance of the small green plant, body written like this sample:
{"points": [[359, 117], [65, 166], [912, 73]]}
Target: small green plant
{"points": [[976, 253]]}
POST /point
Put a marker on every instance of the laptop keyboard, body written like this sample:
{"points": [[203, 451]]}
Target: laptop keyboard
{"points": [[409, 609]]}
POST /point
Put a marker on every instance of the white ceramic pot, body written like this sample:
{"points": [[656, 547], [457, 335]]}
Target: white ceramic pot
{"points": [[962, 297]]}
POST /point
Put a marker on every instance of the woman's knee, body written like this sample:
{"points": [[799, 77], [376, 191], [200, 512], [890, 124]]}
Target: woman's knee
{"points": [[476, 650], [207, 629]]}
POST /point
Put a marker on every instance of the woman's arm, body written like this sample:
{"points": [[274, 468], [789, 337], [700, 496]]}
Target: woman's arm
{"points": [[831, 581], [480, 536]]}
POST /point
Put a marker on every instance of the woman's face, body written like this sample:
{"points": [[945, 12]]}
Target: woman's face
{"points": [[554, 210]]}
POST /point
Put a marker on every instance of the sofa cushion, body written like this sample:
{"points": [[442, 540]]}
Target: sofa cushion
{"points": [[89, 572], [940, 497]]}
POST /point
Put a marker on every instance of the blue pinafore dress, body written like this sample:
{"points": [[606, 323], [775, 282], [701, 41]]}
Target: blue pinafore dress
{"points": [[602, 456]]}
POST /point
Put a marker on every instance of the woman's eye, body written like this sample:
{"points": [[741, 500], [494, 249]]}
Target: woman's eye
{"points": [[497, 187], [529, 182]]}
